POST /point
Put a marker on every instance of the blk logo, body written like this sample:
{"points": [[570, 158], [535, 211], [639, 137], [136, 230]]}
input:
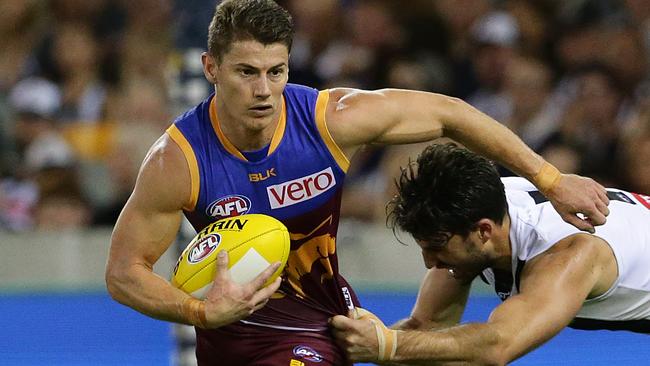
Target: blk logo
{"points": [[258, 177]]}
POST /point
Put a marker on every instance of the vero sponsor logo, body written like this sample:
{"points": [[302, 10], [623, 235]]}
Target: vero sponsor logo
{"points": [[301, 189], [229, 206]]}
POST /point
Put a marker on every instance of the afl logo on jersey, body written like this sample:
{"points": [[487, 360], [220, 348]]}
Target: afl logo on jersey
{"points": [[229, 206], [203, 248], [307, 353]]}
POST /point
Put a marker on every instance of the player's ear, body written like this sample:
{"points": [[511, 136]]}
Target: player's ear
{"points": [[209, 67], [485, 229]]}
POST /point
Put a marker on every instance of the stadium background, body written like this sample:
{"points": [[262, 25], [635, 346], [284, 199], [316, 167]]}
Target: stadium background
{"points": [[87, 85]]}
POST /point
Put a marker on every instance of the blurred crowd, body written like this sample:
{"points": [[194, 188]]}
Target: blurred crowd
{"points": [[86, 86]]}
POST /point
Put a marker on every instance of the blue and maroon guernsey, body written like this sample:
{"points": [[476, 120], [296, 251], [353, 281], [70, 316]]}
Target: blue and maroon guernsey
{"points": [[298, 182]]}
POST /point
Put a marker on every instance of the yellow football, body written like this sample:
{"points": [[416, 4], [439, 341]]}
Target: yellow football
{"points": [[252, 242]]}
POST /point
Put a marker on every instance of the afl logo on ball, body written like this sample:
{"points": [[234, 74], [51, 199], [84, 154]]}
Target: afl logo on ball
{"points": [[203, 248], [229, 206]]}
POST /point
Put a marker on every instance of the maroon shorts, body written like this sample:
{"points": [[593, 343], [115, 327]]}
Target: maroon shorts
{"points": [[258, 346]]}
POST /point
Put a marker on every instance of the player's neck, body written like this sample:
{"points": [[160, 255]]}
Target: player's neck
{"points": [[247, 135], [503, 253]]}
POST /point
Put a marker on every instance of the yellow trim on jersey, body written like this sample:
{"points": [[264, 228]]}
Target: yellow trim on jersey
{"points": [[192, 164], [335, 150], [279, 130], [217, 129], [275, 140]]}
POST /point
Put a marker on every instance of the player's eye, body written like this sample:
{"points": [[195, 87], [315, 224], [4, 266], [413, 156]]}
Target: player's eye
{"points": [[277, 72], [246, 72]]}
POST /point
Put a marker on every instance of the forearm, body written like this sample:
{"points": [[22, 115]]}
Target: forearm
{"points": [[412, 323], [489, 138], [138, 287], [475, 344]]}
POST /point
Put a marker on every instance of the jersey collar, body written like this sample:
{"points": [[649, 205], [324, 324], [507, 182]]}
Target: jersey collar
{"points": [[275, 140]]}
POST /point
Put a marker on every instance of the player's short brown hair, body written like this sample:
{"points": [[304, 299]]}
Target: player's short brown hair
{"points": [[262, 20]]}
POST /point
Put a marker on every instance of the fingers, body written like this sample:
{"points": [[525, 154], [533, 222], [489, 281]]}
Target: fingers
{"points": [[259, 281], [581, 224], [259, 305], [602, 193], [602, 208], [265, 293], [597, 216]]}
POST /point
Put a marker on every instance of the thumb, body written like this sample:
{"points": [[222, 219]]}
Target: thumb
{"points": [[341, 322], [222, 266]]}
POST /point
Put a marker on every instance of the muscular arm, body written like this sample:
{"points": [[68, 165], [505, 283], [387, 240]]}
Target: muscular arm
{"points": [[392, 116], [145, 229], [553, 287], [440, 302]]}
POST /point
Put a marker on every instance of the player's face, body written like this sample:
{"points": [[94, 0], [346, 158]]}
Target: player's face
{"points": [[250, 80], [462, 256]]}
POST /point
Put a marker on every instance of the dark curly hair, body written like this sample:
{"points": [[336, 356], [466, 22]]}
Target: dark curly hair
{"points": [[446, 192], [262, 20]]}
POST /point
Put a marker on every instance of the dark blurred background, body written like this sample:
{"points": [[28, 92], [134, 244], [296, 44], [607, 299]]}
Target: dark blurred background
{"points": [[87, 85]]}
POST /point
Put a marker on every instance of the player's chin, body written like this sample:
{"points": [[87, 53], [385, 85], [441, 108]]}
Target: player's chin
{"points": [[463, 275], [255, 122]]}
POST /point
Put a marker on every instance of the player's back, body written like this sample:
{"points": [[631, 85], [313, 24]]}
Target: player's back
{"points": [[536, 226]]}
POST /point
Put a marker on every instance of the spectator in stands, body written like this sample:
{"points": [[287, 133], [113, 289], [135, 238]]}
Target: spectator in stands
{"points": [[75, 52], [591, 123], [22, 27], [36, 102], [636, 156], [530, 111], [61, 205], [495, 39]]}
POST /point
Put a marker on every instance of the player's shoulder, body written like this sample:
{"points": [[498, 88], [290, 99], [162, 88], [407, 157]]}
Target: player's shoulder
{"points": [[520, 193], [535, 224], [299, 88], [164, 178], [165, 157], [518, 183], [298, 91]]}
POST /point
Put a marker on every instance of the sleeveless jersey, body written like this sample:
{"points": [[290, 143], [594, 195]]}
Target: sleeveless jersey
{"points": [[299, 182], [536, 226]]}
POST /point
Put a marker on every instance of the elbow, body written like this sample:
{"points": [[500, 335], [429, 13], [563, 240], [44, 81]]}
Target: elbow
{"points": [[116, 280], [495, 353]]}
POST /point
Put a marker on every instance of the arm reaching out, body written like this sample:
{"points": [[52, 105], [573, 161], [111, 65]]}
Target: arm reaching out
{"points": [[391, 116], [577, 268]]}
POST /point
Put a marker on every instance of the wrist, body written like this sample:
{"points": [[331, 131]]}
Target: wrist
{"points": [[547, 178], [194, 311], [387, 342]]}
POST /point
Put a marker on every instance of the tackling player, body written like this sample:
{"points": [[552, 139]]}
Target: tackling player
{"points": [[548, 274]]}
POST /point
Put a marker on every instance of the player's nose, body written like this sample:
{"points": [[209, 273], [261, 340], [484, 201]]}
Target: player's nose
{"points": [[262, 88]]}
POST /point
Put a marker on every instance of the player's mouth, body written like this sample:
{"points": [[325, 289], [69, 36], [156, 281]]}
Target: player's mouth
{"points": [[261, 110]]}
